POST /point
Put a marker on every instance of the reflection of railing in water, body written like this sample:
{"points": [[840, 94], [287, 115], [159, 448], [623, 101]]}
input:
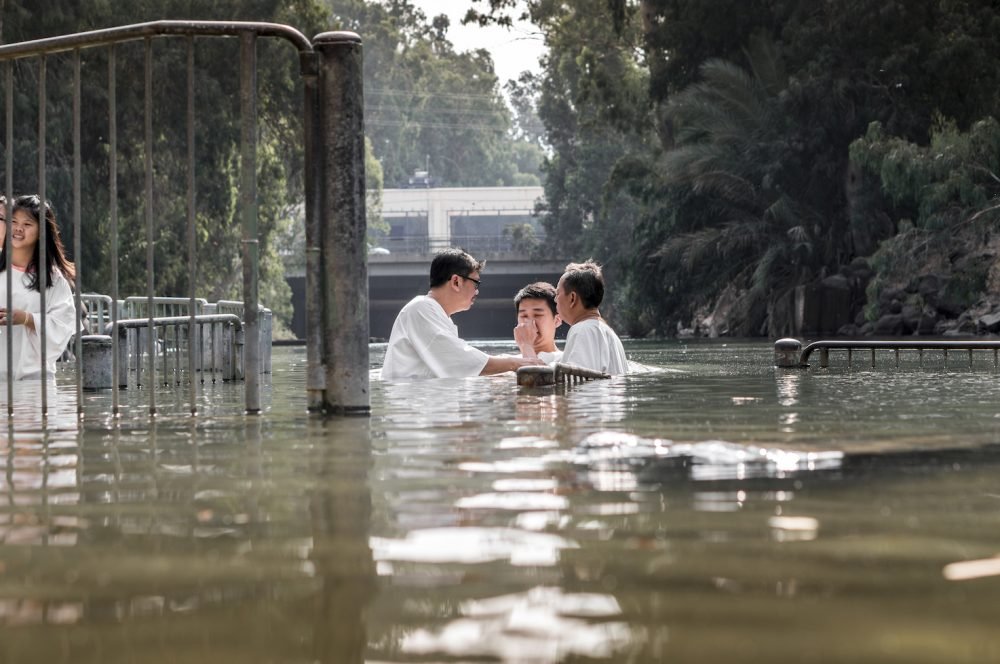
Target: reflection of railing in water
{"points": [[789, 352]]}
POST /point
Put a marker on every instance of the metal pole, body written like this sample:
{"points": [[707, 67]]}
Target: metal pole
{"points": [[43, 257], [9, 159], [77, 242], [248, 208], [315, 375], [194, 335], [119, 369], [150, 331], [343, 225]]}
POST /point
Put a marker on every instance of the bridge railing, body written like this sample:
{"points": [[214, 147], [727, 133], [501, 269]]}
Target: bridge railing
{"points": [[477, 245]]}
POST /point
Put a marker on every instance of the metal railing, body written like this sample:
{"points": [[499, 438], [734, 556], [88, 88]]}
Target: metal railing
{"points": [[330, 68], [474, 244], [790, 353], [176, 342]]}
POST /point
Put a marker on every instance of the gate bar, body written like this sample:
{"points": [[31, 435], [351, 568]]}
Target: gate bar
{"points": [[43, 254], [113, 212], [77, 242], [248, 205], [193, 338], [10, 209], [148, 159]]}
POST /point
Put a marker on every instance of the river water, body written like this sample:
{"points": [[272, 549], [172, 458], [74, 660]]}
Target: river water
{"points": [[713, 509]]}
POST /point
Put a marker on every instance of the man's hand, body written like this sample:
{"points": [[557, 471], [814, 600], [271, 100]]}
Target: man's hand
{"points": [[503, 363], [525, 335]]}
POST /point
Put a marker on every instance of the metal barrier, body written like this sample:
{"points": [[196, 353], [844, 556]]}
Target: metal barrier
{"points": [[98, 310], [788, 353], [178, 336], [266, 328], [333, 147], [138, 307]]}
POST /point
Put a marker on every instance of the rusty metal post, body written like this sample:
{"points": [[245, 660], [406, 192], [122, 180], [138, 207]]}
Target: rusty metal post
{"points": [[344, 279], [248, 209]]}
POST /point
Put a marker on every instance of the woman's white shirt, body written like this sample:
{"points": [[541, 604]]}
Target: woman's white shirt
{"points": [[60, 325]]}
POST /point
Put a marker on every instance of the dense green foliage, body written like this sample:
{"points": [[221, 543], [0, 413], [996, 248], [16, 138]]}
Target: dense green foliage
{"points": [[427, 106], [218, 273], [944, 196], [722, 154], [430, 108]]}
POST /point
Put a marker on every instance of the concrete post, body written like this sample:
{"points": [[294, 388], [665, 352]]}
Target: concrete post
{"points": [[344, 275], [786, 353], [97, 362]]}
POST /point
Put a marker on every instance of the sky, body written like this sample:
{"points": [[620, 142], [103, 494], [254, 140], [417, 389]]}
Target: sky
{"points": [[514, 50]]}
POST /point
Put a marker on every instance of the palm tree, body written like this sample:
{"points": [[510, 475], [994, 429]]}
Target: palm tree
{"points": [[751, 233]]}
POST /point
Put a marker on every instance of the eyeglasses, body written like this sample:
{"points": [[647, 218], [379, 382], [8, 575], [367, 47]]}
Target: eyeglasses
{"points": [[477, 282]]}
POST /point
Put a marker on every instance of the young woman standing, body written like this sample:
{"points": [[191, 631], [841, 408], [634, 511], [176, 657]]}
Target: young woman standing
{"points": [[27, 282]]}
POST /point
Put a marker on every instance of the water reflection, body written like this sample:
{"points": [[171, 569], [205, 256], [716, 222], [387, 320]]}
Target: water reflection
{"points": [[133, 534], [658, 517], [539, 626]]}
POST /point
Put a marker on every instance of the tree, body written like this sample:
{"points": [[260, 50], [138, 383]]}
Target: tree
{"points": [[428, 107], [218, 232]]}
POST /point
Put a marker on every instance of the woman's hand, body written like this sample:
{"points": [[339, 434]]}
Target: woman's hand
{"points": [[18, 317]]}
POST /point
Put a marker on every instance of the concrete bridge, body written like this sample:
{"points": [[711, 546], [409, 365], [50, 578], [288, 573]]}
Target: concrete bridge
{"points": [[394, 279]]}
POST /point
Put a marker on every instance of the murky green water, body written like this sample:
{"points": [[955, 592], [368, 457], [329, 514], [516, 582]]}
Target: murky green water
{"points": [[729, 513]]}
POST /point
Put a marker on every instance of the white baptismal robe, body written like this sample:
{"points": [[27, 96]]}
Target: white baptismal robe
{"points": [[60, 325], [424, 343], [592, 344]]}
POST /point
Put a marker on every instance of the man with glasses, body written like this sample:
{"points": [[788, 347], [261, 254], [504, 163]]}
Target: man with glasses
{"points": [[424, 342]]}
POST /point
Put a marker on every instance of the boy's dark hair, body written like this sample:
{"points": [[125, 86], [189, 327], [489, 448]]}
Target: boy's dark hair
{"points": [[453, 261], [540, 290], [586, 280]]}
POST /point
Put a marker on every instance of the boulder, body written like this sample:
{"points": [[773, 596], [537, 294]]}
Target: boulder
{"points": [[949, 308], [849, 330], [989, 323], [890, 325], [928, 286]]}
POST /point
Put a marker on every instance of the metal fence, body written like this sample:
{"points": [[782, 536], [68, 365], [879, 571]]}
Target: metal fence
{"points": [[330, 68], [474, 244]]}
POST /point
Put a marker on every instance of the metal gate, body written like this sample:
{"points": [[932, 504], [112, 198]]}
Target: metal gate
{"points": [[333, 145]]}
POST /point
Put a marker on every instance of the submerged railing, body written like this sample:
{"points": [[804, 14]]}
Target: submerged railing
{"points": [[333, 149], [789, 353]]}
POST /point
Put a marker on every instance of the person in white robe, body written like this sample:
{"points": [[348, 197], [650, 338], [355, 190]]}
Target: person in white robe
{"points": [[591, 343], [25, 312], [424, 342], [537, 322]]}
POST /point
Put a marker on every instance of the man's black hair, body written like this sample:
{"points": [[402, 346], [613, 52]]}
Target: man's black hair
{"points": [[453, 261], [540, 290]]}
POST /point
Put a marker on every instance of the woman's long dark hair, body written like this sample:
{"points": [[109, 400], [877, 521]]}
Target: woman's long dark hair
{"points": [[55, 252]]}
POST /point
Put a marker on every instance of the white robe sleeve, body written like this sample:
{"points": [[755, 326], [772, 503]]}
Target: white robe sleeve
{"points": [[60, 326], [443, 351]]}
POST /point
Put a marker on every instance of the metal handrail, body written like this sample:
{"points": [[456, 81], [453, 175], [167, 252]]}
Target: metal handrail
{"points": [[122, 327], [107, 36], [824, 346]]}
